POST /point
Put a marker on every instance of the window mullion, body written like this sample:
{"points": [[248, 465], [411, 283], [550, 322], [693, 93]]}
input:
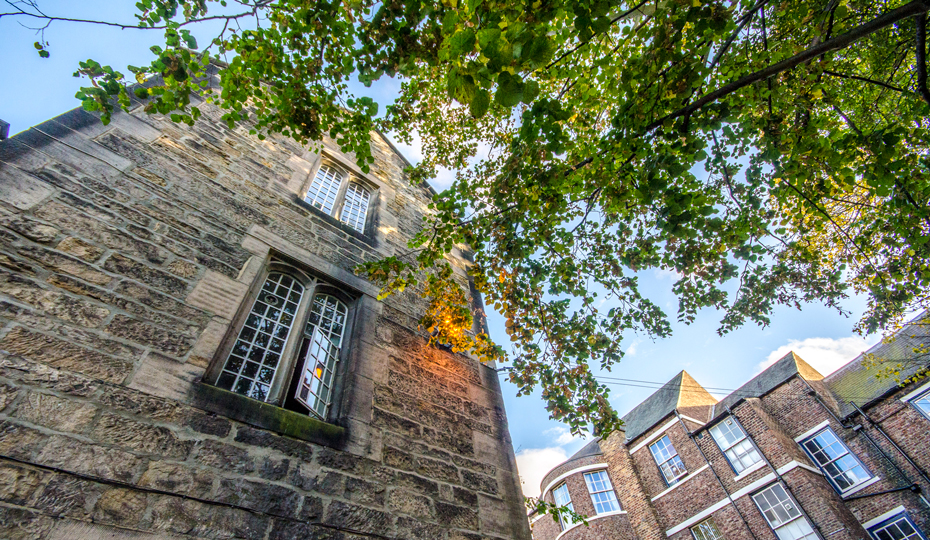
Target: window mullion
{"points": [[289, 358]]}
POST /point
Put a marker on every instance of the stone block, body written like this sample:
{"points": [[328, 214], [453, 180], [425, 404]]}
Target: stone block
{"points": [[259, 496], [36, 374], [357, 518], [60, 262], [225, 457], [193, 518], [19, 483], [308, 478], [410, 504], [274, 469], [365, 492], [141, 437], [71, 309], [156, 279], [140, 404], [57, 413], [20, 523], [433, 468], [64, 355], [264, 439], [120, 506], [177, 478], [7, 394], [80, 249], [416, 529], [67, 495], [161, 302], [458, 517], [209, 341], [21, 190], [166, 377], [480, 482], [182, 268], [218, 294], [207, 423], [398, 459], [32, 229], [90, 459], [150, 335]]}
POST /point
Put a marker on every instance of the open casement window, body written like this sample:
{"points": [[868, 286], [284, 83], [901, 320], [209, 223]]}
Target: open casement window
{"points": [[289, 345], [734, 443], [897, 527], [841, 467], [563, 498], [706, 530], [333, 193], [602, 492], [922, 403], [783, 514], [668, 461]]}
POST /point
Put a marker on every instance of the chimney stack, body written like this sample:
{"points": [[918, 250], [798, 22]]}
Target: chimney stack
{"points": [[4, 130]]}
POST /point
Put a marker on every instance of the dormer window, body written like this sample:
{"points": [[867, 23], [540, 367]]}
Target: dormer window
{"points": [[334, 193]]}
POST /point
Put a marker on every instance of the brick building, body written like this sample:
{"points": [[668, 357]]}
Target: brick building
{"points": [[789, 455], [185, 351]]}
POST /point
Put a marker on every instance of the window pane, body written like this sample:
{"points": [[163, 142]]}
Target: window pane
{"points": [[726, 433], [923, 403], [706, 530], [667, 459], [602, 492], [776, 505], [355, 207], [562, 498], [325, 187], [897, 528], [252, 377], [835, 460]]}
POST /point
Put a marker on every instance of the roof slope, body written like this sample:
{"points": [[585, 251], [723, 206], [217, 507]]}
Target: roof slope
{"points": [[859, 384], [680, 392], [788, 366]]}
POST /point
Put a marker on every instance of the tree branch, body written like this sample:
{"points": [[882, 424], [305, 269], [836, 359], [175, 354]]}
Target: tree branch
{"points": [[920, 54], [916, 7], [868, 80]]}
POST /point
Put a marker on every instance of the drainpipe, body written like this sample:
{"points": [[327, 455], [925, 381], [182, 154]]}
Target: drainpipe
{"points": [[900, 450], [719, 481], [780, 479]]}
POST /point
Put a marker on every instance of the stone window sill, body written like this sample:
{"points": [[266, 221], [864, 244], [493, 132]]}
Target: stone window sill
{"points": [[334, 222], [267, 416]]}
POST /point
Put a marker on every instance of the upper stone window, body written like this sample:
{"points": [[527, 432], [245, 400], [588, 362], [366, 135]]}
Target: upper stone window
{"points": [[290, 343], [668, 461], [734, 443], [332, 192], [841, 467]]}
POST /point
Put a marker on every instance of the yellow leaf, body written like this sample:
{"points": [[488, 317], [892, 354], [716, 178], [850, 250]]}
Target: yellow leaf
{"points": [[696, 3]]}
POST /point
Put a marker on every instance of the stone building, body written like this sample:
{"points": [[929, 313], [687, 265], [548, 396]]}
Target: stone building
{"points": [[789, 455], [185, 351]]}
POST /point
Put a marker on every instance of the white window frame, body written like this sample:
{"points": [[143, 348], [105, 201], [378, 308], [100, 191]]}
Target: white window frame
{"points": [[564, 521], [707, 530], [921, 402], [736, 450], [795, 522], [283, 388], [663, 460], [824, 466], [335, 192], [894, 521], [604, 491]]}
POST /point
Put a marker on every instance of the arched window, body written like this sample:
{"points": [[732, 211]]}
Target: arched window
{"points": [[273, 360], [253, 362], [355, 207], [332, 192], [324, 188]]}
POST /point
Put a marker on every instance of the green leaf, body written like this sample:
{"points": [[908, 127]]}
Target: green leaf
{"points": [[509, 90], [480, 103]]}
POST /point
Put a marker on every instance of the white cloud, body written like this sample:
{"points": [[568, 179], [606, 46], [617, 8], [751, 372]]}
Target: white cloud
{"points": [[666, 273], [631, 350], [561, 434], [826, 355], [534, 463]]}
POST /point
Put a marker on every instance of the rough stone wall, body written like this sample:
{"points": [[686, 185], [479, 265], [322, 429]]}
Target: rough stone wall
{"points": [[127, 252]]}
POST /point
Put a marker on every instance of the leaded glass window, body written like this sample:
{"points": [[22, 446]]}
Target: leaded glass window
{"points": [[668, 461], [324, 189], [706, 530], [833, 457], [740, 451], [320, 352], [602, 492], [355, 207], [253, 361]]}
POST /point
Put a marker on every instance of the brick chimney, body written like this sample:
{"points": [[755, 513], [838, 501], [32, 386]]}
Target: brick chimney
{"points": [[4, 130]]}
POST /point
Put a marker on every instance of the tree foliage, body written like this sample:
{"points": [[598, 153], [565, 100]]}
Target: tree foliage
{"points": [[768, 152]]}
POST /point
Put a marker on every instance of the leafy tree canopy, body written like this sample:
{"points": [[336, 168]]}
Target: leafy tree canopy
{"points": [[770, 152]]}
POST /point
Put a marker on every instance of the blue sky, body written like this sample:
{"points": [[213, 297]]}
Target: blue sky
{"points": [[34, 90]]}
